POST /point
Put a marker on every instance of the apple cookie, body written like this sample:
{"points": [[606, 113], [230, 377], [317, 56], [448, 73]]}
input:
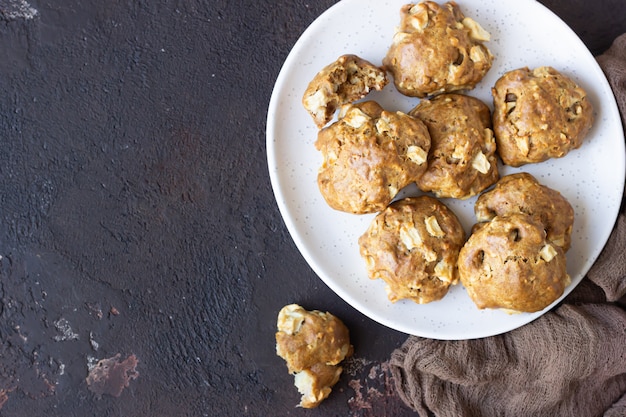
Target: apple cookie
{"points": [[522, 193], [313, 344], [462, 161], [413, 246], [344, 81], [538, 114], [437, 49], [507, 263], [369, 155]]}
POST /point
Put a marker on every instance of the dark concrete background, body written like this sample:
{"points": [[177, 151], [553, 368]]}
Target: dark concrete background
{"points": [[137, 217]]}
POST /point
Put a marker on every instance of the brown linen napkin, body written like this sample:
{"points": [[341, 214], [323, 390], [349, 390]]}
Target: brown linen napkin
{"points": [[569, 362]]}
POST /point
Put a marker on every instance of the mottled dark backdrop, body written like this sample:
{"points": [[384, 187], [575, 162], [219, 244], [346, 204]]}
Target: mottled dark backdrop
{"points": [[139, 237]]}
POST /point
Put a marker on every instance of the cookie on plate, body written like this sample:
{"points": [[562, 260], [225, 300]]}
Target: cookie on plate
{"points": [[522, 193], [413, 246], [508, 263], [462, 160], [437, 49], [369, 155], [538, 114], [348, 79]]}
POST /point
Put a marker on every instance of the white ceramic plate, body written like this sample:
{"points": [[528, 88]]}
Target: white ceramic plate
{"points": [[523, 33]]}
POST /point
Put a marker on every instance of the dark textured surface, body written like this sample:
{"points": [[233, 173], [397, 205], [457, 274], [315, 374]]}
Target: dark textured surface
{"points": [[137, 216]]}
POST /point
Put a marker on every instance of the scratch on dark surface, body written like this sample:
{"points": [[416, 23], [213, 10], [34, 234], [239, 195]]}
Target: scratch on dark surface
{"points": [[374, 394], [24, 366], [110, 376], [40, 353], [17, 9], [4, 396]]}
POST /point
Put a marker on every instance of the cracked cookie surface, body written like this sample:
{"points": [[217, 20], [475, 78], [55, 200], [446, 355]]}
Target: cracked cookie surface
{"points": [[413, 246], [522, 193], [507, 263], [538, 114], [437, 49], [346, 80], [369, 155], [462, 160]]}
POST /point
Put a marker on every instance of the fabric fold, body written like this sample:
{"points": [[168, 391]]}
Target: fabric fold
{"points": [[566, 363]]}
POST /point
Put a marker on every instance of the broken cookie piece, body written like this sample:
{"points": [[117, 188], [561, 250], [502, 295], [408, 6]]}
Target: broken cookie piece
{"points": [[312, 343], [346, 80]]}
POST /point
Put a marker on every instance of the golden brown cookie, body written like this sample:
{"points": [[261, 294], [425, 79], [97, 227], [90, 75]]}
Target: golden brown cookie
{"points": [[462, 160], [522, 193], [437, 49], [369, 155], [344, 81], [312, 343], [413, 246], [538, 114], [508, 263]]}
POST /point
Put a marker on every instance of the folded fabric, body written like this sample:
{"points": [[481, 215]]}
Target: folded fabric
{"points": [[569, 362]]}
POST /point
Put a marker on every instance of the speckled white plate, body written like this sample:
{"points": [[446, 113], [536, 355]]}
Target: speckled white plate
{"points": [[524, 33]]}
